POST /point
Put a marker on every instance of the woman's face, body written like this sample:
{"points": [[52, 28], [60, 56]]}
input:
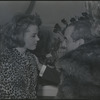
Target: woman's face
{"points": [[31, 37]]}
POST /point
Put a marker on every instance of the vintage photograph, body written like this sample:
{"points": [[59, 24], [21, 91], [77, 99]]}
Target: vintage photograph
{"points": [[50, 50]]}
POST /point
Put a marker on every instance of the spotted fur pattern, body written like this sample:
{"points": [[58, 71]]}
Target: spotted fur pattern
{"points": [[18, 75]]}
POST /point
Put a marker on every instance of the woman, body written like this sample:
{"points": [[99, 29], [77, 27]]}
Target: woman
{"points": [[18, 67]]}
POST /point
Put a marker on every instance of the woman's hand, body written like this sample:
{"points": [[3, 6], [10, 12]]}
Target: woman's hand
{"points": [[39, 66]]}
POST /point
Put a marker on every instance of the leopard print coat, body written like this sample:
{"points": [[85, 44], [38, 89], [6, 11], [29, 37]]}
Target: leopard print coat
{"points": [[18, 75]]}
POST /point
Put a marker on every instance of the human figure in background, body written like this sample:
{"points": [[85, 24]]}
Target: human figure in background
{"points": [[48, 45], [80, 66], [44, 45]]}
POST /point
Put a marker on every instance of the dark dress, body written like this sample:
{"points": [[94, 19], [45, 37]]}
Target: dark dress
{"points": [[18, 75]]}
